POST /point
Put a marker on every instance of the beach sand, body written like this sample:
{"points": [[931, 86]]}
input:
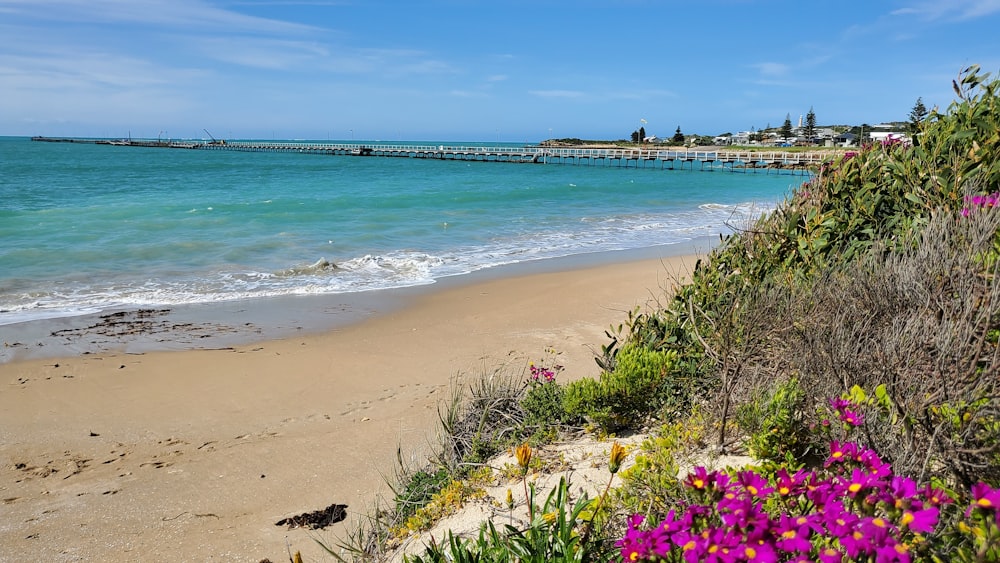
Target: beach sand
{"points": [[195, 455]]}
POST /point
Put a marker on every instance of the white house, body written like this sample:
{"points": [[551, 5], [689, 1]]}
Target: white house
{"points": [[885, 136]]}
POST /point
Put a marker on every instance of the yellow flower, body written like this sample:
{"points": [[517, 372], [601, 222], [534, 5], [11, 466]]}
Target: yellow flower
{"points": [[523, 455], [618, 454], [510, 500]]}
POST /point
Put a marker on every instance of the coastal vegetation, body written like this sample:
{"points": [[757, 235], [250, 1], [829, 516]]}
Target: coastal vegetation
{"points": [[847, 343]]}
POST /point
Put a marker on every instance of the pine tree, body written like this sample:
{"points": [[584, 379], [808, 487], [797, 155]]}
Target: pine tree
{"points": [[642, 134], [635, 136], [810, 124], [786, 127], [678, 136], [917, 115]]}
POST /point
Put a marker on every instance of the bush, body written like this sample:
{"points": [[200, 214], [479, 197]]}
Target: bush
{"points": [[418, 491], [543, 405], [776, 423], [637, 388]]}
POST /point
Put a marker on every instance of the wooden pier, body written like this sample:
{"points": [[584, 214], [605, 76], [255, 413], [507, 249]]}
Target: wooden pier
{"points": [[707, 161]]}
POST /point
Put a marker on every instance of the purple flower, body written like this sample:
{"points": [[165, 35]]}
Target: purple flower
{"points": [[754, 485], [840, 453], [855, 543], [791, 537], [758, 551], [984, 497], [790, 484], [838, 520], [635, 545], [847, 411], [859, 482], [920, 520], [893, 552]]}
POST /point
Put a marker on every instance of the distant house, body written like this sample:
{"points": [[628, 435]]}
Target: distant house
{"points": [[846, 139], [888, 136], [651, 139]]}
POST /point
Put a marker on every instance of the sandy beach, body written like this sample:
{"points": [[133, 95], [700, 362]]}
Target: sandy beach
{"points": [[195, 455]]}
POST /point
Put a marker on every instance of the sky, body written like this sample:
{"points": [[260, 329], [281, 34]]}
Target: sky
{"points": [[467, 70]]}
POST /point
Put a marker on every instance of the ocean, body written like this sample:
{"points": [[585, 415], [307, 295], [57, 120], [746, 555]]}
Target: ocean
{"points": [[91, 228]]}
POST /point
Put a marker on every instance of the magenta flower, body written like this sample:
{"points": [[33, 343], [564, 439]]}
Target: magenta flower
{"points": [[791, 537], [722, 546], [661, 538], [893, 552], [847, 412], [984, 497], [754, 485], [635, 545], [830, 555], [922, 521], [839, 521], [758, 551], [855, 543], [790, 484], [859, 482], [935, 497], [840, 453], [901, 492], [875, 465]]}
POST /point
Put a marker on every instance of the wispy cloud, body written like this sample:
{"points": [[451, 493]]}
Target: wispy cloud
{"points": [[556, 93], [772, 69], [952, 10], [160, 13]]}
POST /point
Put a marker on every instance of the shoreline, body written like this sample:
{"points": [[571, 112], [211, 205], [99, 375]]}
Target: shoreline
{"points": [[241, 322], [196, 454]]}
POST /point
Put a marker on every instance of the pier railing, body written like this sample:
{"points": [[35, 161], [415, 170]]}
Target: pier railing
{"points": [[706, 160]]}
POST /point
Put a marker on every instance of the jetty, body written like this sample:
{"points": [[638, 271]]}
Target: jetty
{"points": [[652, 157]]}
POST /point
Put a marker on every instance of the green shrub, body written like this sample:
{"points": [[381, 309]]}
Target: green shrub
{"points": [[418, 491], [543, 405], [776, 423], [637, 388]]}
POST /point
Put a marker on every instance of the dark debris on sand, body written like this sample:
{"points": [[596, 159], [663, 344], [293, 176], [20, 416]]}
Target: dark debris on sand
{"points": [[316, 519]]}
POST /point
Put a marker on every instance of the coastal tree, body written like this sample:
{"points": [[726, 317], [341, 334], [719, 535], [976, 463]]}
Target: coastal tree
{"points": [[678, 136], [642, 134], [786, 127], [917, 116], [810, 129], [635, 137]]}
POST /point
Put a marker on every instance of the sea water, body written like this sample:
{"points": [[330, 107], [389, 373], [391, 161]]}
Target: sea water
{"points": [[87, 228]]}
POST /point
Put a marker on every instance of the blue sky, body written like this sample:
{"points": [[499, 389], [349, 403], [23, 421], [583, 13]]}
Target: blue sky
{"points": [[466, 70]]}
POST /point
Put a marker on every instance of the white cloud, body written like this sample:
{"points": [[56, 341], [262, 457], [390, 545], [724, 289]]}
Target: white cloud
{"points": [[556, 93], [952, 10], [163, 13], [772, 69]]}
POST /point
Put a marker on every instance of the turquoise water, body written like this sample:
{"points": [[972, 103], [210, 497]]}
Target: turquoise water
{"points": [[86, 228]]}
